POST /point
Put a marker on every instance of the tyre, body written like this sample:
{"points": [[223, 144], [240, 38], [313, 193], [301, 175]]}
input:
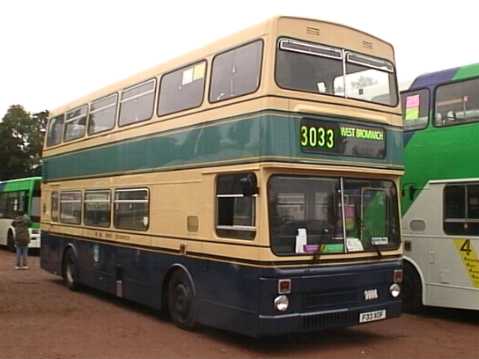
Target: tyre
{"points": [[181, 300], [70, 270], [10, 241], [411, 290]]}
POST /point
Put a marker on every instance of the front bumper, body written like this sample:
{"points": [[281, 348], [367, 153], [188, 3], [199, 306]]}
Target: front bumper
{"points": [[313, 321]]}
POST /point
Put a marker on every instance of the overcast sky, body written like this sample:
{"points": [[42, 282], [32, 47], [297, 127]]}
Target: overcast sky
{"points": [[55, 51]]}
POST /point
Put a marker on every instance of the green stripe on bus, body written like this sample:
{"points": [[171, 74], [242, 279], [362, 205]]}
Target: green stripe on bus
{"points": [[466, 72], [265, 136]]}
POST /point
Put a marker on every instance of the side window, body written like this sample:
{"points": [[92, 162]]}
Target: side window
{"points": [[461, 209], [136, 103], [70, 207], [235, 211], [236, 72], [102, 114], [415, 109], [75, 123], [182, 89], [457, 103], [97, 206], [54, 206], [55, 130], [131, 209]]}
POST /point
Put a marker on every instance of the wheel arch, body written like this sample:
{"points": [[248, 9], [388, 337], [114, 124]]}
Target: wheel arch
{"points": [[68, 247], [420, 274], [164, 286]]}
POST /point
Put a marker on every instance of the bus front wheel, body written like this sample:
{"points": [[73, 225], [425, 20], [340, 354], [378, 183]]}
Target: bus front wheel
{"points": [[412, 290], [180, 300], [70, 271]]}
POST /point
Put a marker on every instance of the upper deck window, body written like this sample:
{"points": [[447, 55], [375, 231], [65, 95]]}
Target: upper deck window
{"points": [[236, 72], [55, 130], [75, 123], [136, 103], [457, 103], [309, 67], [182, 89], [102, 114], [415, 109]]}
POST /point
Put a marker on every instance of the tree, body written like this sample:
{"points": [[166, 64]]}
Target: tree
{"points": [[22, 139]]}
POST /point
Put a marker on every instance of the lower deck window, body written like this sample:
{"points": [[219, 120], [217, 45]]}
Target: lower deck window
{"points": [[70, 207], [461, 209], [97, 208], [235, 210], [131, 209]]}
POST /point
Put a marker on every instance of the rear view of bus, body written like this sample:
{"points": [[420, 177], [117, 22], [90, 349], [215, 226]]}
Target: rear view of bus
{"points": [[19, 195]]}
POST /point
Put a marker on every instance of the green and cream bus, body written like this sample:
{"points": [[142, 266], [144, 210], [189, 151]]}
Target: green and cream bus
{"points": [[19, 195], [440, 190], [250, 185]]}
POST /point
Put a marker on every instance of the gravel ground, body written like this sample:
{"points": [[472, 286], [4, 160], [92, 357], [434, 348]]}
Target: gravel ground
{"points": [[40, 318]]}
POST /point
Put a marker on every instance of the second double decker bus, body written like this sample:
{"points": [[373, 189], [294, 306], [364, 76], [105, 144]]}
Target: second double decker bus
{"points": [[440, 190], [250, 185]]}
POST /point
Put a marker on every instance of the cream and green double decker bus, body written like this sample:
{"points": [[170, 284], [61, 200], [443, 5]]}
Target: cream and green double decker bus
{"points": [[250, 185]]}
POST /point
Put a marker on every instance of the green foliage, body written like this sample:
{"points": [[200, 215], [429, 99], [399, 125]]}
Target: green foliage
{"points": [[21, 142]]}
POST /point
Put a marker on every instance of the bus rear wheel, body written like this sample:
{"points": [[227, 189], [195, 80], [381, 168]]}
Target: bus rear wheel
{"points": [[412, 290], [10, 241], [180, 300], [70, 270]]}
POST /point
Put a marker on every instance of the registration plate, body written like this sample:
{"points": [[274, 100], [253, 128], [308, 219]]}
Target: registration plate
{"points": [[372, 316]]}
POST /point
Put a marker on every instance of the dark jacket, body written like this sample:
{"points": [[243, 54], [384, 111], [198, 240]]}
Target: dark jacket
{"points": [[21, 224]]}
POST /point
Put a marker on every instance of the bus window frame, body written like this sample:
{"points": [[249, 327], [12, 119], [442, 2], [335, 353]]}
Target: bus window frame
{"points": [[110, 204], [252, 229], [466, 220], [429, 103], [260, 72], [344, 62], [138, 84], [60, 207], [396, 247], [66, 121], [55, 219], [438, 86], [117, 108], [160, 81], [126, 189], [60, 141]]}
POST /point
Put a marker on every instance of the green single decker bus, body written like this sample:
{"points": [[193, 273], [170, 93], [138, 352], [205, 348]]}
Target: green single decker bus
{"points": [[440, 190], [19, 195]]}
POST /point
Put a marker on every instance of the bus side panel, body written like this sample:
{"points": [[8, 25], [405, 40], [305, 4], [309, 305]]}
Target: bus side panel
{"points": [[227, 294]]}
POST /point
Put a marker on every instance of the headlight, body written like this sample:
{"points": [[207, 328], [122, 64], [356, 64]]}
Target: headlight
{"points": [[395, 290], [281, 303]]}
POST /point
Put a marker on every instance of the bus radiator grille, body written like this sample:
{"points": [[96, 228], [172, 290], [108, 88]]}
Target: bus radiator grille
{"points": [[329, 320]]}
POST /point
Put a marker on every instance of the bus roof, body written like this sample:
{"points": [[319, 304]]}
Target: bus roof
{"points": [[278, 24], [432, 79], [18, 184]]}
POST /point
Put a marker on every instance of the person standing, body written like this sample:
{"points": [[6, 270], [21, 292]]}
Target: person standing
{"points": [[22, 239]]}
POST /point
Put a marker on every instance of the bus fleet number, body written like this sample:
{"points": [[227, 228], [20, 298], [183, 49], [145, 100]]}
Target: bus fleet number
{"points": [[317, 137]]}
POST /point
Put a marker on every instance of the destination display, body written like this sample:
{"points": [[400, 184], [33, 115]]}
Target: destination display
{"points": [[318, 136]]}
